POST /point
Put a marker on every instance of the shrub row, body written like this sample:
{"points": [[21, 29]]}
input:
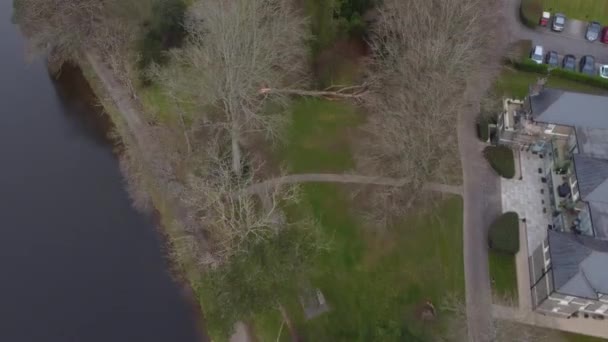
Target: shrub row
{"points": [[531, 66], [595, 81], [530, 12]]}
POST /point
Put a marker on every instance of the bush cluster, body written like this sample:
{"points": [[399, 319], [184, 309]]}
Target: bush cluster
{"points": [[164, 31], [501, 160], [504, 233], [595, 81], [530, 12]]}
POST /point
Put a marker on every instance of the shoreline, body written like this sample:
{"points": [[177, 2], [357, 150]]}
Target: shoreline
{"points": [[126, 124]]}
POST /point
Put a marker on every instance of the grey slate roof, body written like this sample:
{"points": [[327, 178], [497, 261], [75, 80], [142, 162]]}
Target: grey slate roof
{"points": [[580, 265], [592, 141], [592, 176], [599, 215], [570, 108]]}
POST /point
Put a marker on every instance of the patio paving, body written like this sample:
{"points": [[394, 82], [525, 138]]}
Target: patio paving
{"points": [[529, 197]]}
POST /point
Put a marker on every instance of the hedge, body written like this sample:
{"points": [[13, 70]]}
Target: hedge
{"points": [[530, 12], [531, 66], [483, 129], [595, 81], [501, 159], [504, 233]]}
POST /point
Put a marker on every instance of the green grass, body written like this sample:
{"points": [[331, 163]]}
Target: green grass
{"points": [[318, 138], [156, 103], [569, 337], [374, 284], [503, 275], [514, 83], [323, 24], [586, 10]]}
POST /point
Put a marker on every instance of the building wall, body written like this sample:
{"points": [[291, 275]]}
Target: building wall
{"points": [[562, 305]]}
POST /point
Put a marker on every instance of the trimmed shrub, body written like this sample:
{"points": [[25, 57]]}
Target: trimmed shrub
{"points": [[501, 159], [595, 81], [531, 66], [504, 233], [530, 12], [483, 127]]}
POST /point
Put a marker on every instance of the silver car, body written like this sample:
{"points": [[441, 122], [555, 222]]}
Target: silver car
{"points": [[537, 54], [593, 31], [559, 22], [604, 71]]}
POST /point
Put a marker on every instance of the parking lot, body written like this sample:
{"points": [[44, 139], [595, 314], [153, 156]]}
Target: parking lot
{"points": [[570, 41]]}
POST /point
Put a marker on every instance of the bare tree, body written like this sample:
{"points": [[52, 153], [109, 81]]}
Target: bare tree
{"points": [[231, 218], [59, 27], [423, 53], [234, 49]]}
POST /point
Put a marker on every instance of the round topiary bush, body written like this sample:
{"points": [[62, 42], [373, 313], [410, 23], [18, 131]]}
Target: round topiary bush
{"points": [[504, 233], [501, 159], [530, 12]]}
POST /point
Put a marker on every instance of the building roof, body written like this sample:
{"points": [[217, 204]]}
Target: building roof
{"points": [[592, 176], [579, 265], [592, 141], [588, 114], [569, 108]]}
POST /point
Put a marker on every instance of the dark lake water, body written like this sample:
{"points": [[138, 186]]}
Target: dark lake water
{"points": [[77, 262]]}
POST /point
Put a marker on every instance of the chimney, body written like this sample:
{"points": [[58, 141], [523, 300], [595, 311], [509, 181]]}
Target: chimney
{"points": [[537, 88]]}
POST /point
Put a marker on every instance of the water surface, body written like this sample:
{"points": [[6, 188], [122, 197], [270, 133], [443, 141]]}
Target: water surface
{"points": [[77, 262]]}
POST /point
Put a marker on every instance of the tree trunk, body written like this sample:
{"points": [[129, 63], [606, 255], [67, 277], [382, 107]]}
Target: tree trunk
{"points": [[237, 166]]}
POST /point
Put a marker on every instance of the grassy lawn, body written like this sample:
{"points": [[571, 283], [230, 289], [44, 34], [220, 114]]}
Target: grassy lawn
{"points": [[514, 83], [374, 284], [581, 338], [586, 10], [318, 139], [503, 275]]}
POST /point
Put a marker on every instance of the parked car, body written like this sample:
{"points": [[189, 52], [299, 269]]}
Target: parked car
{"points": [[544, 19], [604, 35], [604, 71], [587, 65], [537, 54], [559, 22], [569, 62], [551, 59], [593, 31]]}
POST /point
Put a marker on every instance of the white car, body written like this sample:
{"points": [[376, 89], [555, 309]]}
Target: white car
{"points": [[604, 71], [537, 54]]}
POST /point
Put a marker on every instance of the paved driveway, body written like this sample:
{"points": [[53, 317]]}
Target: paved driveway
{"points": [[572, 41]]}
